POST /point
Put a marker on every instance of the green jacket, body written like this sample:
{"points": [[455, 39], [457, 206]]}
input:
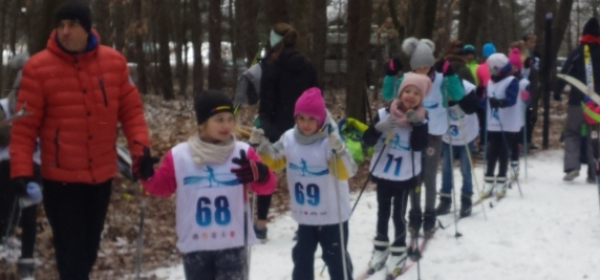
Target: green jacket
{"points": [[451, 87], [473, 67]]}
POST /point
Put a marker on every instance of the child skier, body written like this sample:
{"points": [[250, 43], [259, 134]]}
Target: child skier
{"points": [[462, 131], [516, 61], [317, 166], [446, 88], [209, 174], [399, 134], [502, 122]]}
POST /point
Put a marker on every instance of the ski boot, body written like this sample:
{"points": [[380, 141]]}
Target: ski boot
{"points": [[261, 232], [571, 175], [465, 205], [429, 224], [502, 186], [380, 254], [443, 207], [25, 269], [488, 187], [396, 262], [414, 222]]}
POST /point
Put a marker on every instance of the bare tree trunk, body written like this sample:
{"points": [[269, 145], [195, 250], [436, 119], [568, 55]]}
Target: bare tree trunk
{"points": [[300, 11], [276, 11], [140, 29], [214, 40], [119, 22], [234, 44], [463, 18], [185, 25], [197, 72], [178, 36], [165, 77], [249, 14], [20, 24], [484, 28], [359, 30], [476, 15], [40, 29], [101, 11], [3, 11], [426, 18], [392, 6], [319, 42]]}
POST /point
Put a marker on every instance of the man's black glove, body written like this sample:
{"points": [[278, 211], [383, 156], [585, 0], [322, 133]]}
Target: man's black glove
{"points": [[143, 166], [250, 170], [497, 103], [19, 185]]}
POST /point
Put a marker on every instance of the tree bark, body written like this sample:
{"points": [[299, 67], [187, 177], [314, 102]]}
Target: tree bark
{"points": [[178, 19], [197, 72], [476, 15], [165, 77], [234, 44], [463, 18], [140, 29], [119, 23], [300, 11], [426, 19], [101, 12], [214, 40], [359, 30], [43, 25], [3, 11], [250, 35], [276, 11], [392, 6], [319, 42]]}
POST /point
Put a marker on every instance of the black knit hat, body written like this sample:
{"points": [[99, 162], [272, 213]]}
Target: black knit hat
{"points": [[77, 11], [210, 103], [393, 66], [592, 27]]}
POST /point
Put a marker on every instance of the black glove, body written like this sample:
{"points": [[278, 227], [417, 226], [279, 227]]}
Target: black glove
{"points": [[250, 170], [480, 91], [497, 103], [528, 62], [19, 185], [449, 71], [143, 166]]}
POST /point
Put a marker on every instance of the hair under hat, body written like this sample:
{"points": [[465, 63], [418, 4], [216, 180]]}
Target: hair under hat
{"points": [[419, 51], [75, 10], [210, 103], [311, 102], [422, 82]]}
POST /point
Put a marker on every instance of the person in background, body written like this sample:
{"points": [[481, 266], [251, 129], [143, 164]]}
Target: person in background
{"points": [[469, 53], [483, 76]]}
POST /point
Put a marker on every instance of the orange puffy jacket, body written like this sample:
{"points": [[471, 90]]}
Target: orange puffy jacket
{"points": [[75, 102]]}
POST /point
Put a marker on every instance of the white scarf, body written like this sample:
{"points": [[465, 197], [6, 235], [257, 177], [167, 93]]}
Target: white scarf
{"points": [[204, 152]]}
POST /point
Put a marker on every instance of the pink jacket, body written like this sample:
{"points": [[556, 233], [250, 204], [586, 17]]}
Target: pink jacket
{"points": [[483, 74], [163, 182]]}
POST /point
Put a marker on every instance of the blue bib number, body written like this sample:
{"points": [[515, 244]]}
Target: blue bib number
{"points": [[388, 164], [204, 211], [312, 194]]}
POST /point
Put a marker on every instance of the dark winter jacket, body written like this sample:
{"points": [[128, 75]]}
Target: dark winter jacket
{"points": [[575, 66], [282, 82], [417, 141], [460, 67]]}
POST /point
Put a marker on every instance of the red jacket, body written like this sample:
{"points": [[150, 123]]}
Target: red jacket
{"points": [[75, 102]]}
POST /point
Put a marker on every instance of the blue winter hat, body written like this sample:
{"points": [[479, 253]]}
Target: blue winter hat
{"points": [[488, 49]]}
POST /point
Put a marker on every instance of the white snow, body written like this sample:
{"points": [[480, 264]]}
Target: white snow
{"points": [[553, 232]]}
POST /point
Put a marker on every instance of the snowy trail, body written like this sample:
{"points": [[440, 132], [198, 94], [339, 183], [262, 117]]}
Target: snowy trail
{"points": [[553, 232]]}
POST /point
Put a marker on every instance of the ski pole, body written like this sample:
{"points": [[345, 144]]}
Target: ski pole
{"points": [[450, 149], [387, 140], [140, 241], [507, 147], [412, 156], [11, 219], [341, 223]]}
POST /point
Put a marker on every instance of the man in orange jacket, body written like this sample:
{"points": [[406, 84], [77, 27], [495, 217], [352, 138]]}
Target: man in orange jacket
{"points": [[76, 91]]}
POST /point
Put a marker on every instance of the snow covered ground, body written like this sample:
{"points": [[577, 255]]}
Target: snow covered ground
{"points": [[553, 232]]}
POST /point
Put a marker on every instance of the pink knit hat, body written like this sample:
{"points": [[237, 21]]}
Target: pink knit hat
{"points": [[311, 102], [515, 58], [422, 82]]}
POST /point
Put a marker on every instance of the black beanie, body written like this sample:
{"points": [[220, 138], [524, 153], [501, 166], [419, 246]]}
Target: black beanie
{"points": [[592, 27], [393, 66], [77, 11], [210, 103]]}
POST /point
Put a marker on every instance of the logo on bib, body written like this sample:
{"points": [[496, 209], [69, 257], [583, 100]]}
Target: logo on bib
{"points": [[308, 170], [397, 144], [214, 179]]}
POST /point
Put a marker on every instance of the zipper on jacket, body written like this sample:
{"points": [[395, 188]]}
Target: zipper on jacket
{"points": [[56, 147], [101, 84]]}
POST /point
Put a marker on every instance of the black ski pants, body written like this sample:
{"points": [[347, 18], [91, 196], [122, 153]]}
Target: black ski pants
{"points": [[497, 151], [227, 264], [393, 194], [9, 206], [328, 236], [76, 212]]}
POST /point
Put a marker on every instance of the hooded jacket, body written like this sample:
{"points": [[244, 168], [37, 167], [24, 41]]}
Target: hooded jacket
{"points": [[575, 66], [282, 82], [75, 102]]}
